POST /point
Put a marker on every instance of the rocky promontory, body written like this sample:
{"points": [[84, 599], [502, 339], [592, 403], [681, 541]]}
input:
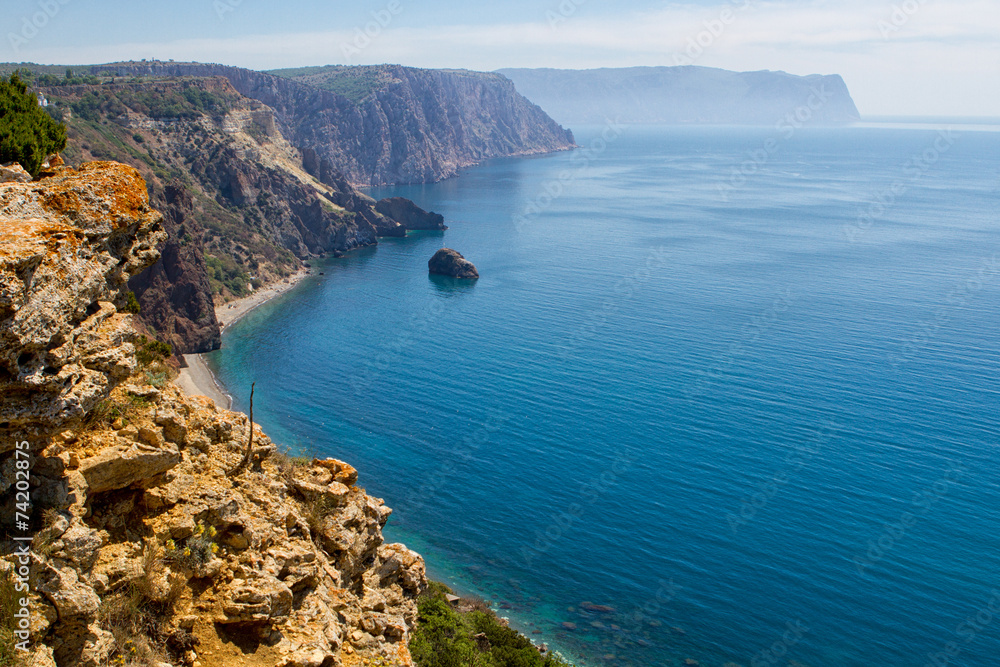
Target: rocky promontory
{"points": [[163, 534], [686, 94], [448, 262], [409, 215]]}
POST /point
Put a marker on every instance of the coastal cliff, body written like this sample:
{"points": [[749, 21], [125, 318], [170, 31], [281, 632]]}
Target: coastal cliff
{"points": [[240, 211], [684, 95], [161, 537], [253, 172], [399, 124]]}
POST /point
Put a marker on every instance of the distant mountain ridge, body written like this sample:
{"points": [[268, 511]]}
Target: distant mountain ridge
{"points": [[684, 95], [408, 126]]}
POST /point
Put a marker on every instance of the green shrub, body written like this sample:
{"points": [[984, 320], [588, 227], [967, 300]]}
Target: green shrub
{"points": [[447, 636], [149, 351], [27, 133], [132, 304]]}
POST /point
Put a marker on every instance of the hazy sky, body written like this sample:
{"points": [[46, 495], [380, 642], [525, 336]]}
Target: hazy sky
{"points": [[915, 57]]}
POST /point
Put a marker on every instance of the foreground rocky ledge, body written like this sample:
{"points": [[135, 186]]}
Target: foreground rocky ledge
{"points": [[148, 549], [68, 244]]}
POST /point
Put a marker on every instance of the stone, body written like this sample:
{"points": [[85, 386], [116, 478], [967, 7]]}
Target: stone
{"points": [[448, 262], [257, 602], [342, 472], [14, 173], [81, 545], [122, 466], [74, 601]]}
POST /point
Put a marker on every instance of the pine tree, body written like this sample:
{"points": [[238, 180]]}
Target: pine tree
{"points": [[27, 133]]}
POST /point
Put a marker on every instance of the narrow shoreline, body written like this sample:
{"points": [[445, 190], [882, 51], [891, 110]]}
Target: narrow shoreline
{"points": [[228, 313], [196, 378]]}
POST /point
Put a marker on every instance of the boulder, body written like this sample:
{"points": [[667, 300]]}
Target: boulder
{"points": [[123, 466], [448, 262], [14, 173], [341, 472]]}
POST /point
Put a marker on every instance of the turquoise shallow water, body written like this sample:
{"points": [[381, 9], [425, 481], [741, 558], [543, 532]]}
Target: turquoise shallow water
{"points": [[754, 412]]}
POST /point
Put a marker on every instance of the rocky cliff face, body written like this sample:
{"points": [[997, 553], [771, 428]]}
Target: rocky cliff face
{"points": [[69, 244], [154, 547], [175, 294], [414, 126], [249, 191], [239, 209]]}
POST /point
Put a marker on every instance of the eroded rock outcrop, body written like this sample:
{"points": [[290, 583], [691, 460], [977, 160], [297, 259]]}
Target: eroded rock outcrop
{"points": [[68, 244], [448, 262], [146, 550]]}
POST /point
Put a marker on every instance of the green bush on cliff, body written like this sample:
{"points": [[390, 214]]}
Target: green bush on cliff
{"points": [[149, 351], [27, 133], [449, 637]]}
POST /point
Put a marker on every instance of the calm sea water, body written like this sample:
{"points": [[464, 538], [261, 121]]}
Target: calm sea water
{"points": [[738, 387]]}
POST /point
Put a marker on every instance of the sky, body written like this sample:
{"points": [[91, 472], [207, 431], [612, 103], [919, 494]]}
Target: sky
{"points": [[898, 57]]}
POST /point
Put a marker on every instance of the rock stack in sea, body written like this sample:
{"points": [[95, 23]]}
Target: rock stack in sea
{"points": [[448, 262], [151, 542]]}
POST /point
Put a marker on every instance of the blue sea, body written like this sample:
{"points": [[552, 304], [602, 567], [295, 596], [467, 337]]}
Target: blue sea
{"points": [[721, 394]]}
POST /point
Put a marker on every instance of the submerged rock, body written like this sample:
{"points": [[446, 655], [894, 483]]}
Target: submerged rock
{"points": [[448, 262]]}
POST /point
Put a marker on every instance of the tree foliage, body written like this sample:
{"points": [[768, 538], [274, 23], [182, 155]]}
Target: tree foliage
{"points": [[448, 637], [27, 134]]}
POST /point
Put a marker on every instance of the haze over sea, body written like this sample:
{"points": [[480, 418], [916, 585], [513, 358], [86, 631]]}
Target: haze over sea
{"points": [[751, 411]]}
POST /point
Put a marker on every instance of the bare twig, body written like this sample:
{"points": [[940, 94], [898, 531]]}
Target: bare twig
{"points": [[241, 466]]}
